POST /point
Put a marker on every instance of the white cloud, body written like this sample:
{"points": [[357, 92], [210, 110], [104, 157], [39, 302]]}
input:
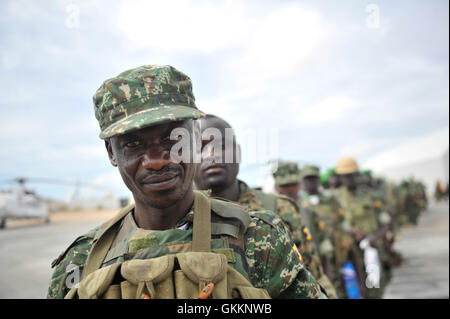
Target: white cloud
{"points": [[356, 149], [330, 109], [182, 24], [255, 63], [263, 45], [280, 43]]}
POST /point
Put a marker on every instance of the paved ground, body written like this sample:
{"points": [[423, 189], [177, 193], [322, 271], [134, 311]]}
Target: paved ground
{"points": [[27, 250], [424, 273], [28, 247]]}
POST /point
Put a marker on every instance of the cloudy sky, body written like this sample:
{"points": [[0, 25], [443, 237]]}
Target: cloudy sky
{"points": [[314, 80]]}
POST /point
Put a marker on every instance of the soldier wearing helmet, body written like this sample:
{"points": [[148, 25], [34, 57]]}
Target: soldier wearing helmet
{"points": [[370, 225], [330, 229]]}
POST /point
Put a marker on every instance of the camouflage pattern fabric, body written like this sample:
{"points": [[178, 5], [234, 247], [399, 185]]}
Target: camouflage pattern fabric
{"points": [[287, 173], [331, 233], [367, 213], [415, 200], [290, 215], [310, 170], [142, 97], [268, 254]]}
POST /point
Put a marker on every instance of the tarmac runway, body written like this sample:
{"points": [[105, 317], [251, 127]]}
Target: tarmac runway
{"points": [[26, 254], [424, 272]]}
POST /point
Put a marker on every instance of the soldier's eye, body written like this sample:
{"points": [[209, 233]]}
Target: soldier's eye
{"points": [[133, 144]]}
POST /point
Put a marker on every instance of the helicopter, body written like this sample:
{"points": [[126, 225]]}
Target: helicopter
{"points": [[20, 202]]}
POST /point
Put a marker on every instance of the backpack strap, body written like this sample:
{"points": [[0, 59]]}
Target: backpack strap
{"points": [[103, 240], [201, 233], [201, 237], [230, 210], [269, 201]]}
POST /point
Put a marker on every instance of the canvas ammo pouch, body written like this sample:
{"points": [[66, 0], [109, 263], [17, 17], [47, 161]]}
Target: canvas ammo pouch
{"points": [[198, 274]]}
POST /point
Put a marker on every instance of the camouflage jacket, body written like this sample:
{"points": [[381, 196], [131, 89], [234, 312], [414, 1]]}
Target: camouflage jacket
{"points": [[329, 227], [288, 211], [331, 232], [268, 254], [363, 210]]}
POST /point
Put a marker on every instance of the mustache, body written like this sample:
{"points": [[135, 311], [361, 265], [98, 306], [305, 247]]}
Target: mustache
{"points": [[168, 169], [207, 165]]}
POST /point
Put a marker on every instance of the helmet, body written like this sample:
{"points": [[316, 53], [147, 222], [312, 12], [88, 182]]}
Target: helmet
{"points": [[347, 165]]}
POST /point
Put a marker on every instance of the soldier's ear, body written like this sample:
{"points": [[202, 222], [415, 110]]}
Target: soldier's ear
{"points": [[112, 157]]}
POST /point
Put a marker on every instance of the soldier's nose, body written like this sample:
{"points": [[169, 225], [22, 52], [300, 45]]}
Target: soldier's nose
{"points": [[156, 162]]}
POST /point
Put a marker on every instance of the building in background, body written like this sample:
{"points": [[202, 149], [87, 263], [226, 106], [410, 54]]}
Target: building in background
{"points": [[425, 158]]}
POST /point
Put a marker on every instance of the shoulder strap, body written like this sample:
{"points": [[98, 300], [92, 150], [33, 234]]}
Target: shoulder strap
{"points": [[227, 209], [269, 201], [103, 240], [201, 234]]}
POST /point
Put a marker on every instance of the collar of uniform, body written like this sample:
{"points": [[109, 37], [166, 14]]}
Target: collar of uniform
{"points": [[188, 218]]}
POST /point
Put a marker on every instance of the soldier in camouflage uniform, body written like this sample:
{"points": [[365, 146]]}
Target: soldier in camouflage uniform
{"points": [[333, 179], [138, 111], [219, 176], [414, 200], [401, 216], [382, 191], [370, 222], [330, 230], [287, 183]]}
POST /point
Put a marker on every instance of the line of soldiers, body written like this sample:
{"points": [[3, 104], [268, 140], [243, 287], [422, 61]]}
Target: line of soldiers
{"points": [[197, 231], [177, 241], [354, 220]]}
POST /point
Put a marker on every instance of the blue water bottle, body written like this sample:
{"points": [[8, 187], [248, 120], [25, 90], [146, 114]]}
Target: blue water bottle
{"points": [[350, 281]]}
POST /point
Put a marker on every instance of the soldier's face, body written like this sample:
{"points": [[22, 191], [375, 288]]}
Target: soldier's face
{"points": [[366, 179], [143, 160], [311, 184], [216, 171], [334, 181], [289, 190], [349, 180]]}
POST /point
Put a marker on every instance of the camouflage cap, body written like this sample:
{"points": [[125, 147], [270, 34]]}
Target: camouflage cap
{"points": [[142, 97], [309, 170], [287, 173]]}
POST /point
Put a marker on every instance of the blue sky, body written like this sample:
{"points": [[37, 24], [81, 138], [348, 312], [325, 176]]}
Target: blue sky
{"points": [[333, 78]]}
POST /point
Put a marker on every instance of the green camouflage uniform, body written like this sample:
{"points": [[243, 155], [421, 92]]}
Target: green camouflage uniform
{"points": [[367, 214], [414, 200], [292, 214], [268, 259], [260, 249], [331, 233], [287, 210]]}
